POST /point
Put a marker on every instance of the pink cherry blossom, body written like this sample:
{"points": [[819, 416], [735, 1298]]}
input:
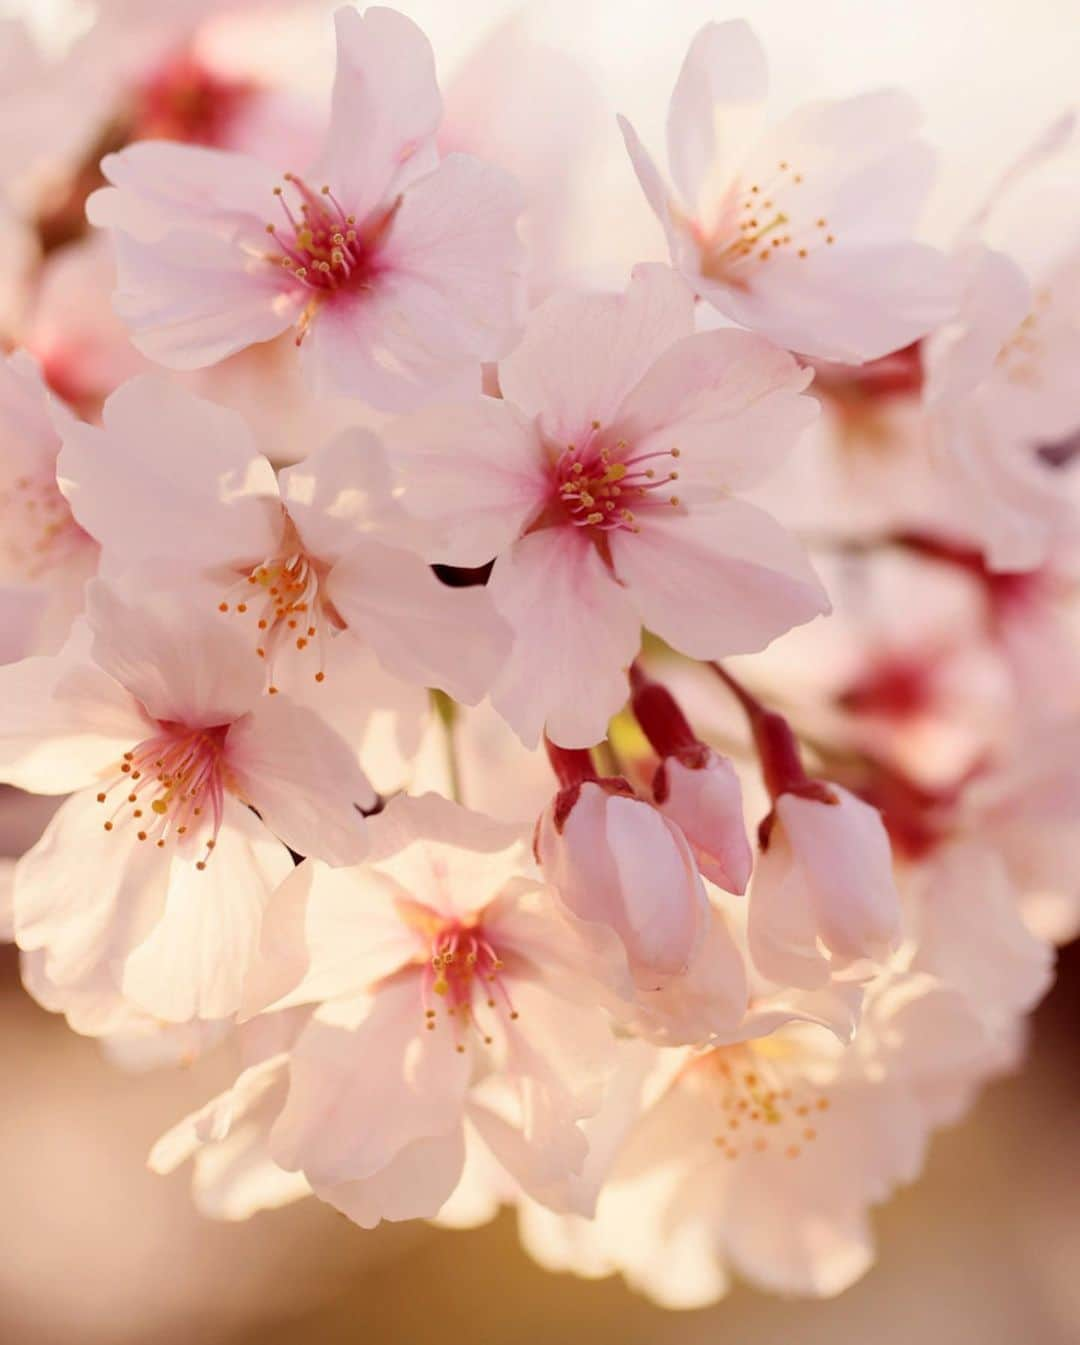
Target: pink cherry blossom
{"points": [[803, 229], [163, 733], [444, 996], [763, 1158], [295, 560], [400, 273], [570, 482], [1000, 379], [45, 556]]}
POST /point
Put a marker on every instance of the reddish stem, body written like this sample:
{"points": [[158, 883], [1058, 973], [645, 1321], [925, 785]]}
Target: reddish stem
{"points": [[573, 765], [776, 744], [661, 719]]}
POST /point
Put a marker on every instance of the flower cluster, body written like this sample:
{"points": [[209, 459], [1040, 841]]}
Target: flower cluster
{"points": [[378, 592]]}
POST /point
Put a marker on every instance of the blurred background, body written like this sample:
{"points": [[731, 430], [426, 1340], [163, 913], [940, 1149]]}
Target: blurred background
{"points": [[986, 1247]]}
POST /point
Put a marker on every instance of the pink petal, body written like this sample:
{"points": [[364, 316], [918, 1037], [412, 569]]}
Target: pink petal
{"points": [[706, 803], [655, 189], [574, 627], [716, 107], [194, 962], [173, 652], [582, 354], [717, 580], [360, 1093], [847, 862], [446, 297], [192, 299], [421, 630], [782, 926], [445, 856], [476, 471], [728, 401], [415, 1184], [85, 928], [456, 233], [203, 498], [65, 723], [302, 778], [848, 304], [158, 187], [995, 299], [342, 492], [385, 109], [380, 717], [374, 347], [663, 901], [314, 946]]}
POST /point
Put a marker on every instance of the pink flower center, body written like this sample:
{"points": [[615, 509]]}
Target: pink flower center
{"points": [[761, 1107], [171, 787], [285, 597], [604, 486], [462, 973], [185, 100], [323, 247], [38, 531]]}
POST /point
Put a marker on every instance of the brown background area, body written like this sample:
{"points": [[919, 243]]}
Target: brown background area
{"points": [[94, 1250]]}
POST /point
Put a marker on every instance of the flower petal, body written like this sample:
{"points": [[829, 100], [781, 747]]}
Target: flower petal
{"points": [[420, 629], [716, 109], [574, 628], [385, 108], [728, 401], [194, 962], [327, 933], [415, 1184], [582, 354], [476, 471], [171, 477], [191, 299], [362, 1091], [717, 580], [65, 722], [172, 651], [302, 778]]}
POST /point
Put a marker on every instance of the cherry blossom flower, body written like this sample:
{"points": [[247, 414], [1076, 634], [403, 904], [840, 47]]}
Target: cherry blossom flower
{"points": [[999, 377], [163, 733], [400, 273], [445, 995], [570, 483], [45, 556], [763, 1157], [295, 560], [801, 230]]}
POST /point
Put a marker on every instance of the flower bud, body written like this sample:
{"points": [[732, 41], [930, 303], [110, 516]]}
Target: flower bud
{"points": [[703, 795], [823, 902], [694, 786], [615, 860]]}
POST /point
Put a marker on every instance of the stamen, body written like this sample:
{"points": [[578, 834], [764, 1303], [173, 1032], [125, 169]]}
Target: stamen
{"points": [[181, 773]]}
